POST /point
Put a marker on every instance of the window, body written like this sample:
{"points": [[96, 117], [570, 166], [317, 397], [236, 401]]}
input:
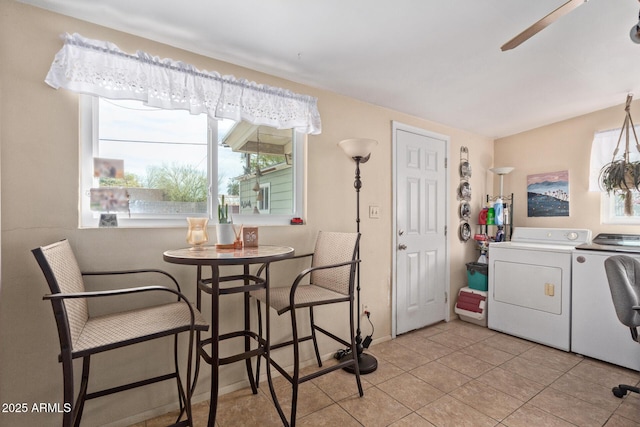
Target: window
{"points": [[612, 209], [155, 167], [263, 198], [612, 206]]}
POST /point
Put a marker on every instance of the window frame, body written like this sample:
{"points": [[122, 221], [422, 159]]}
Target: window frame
{"points": [[603, 144], [607, 212], [88, 133]]}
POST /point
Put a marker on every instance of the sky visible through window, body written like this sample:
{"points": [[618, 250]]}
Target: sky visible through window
{"points": [[144, 136]]}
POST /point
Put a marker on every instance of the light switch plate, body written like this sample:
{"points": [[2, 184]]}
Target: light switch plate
{"points": [[374, 212]]}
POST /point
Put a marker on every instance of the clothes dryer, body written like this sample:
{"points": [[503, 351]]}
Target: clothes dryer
{"points": [[530, 284]]}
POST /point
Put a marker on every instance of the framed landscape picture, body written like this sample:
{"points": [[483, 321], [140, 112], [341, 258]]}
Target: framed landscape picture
{"points": [[548, 194]]}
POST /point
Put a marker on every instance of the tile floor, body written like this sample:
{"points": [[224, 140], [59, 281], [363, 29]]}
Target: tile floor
{"points": [[449, 374]]}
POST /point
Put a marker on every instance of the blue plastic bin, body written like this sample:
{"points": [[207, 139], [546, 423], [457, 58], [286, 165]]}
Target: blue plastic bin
{"points": [[477, 276]]}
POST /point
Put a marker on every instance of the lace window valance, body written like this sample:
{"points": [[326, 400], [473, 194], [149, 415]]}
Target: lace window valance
{"points": [[100, 68]]}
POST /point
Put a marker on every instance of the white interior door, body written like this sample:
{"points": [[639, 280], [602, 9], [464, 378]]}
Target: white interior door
{"points": [[421, 269]]}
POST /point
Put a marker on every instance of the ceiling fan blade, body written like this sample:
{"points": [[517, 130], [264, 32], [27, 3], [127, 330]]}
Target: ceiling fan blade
{"points": [[542, 24]]}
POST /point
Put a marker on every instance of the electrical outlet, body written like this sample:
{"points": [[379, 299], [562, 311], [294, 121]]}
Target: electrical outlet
{"points": [[365, 307], [374, 212]]}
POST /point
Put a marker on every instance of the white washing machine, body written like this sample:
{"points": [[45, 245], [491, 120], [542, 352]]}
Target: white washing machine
{"points": [[530, 284], [595, 329]]}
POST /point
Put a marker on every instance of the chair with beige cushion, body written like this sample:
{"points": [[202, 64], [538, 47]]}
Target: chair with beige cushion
{"points": [[82, 335], [623, 275], [328, 280]]}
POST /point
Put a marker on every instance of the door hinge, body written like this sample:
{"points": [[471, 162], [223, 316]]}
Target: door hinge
{"points": [[446, 296], [445, 230], [446, 162]]}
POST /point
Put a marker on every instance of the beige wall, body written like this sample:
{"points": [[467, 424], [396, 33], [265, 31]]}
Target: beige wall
{"points": [[561, 146], [39, 199]]}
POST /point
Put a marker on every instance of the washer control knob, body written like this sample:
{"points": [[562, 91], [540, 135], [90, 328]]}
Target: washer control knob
{"points": [[572, 235]]}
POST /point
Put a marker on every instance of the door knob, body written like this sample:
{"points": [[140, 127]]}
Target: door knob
{"points": [[402, 246], [400, 232]]}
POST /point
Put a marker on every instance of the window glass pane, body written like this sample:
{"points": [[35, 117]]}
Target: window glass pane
{"points": [[230, 167], [155, 167], [264, 181], [164, 155], [612, 211], [618, 205], [612, 205]]}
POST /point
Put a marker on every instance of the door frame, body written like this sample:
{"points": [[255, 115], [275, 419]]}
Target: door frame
{"points": [[395, 126]]}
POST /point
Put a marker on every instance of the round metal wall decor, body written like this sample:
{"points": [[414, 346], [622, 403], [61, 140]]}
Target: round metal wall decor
{"points": [[465, 169], [465, 231], [464, 191], [465, 210]]}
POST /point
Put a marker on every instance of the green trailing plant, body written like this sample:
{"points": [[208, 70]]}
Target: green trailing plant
{"points": [[621, 176], [223, 212]]}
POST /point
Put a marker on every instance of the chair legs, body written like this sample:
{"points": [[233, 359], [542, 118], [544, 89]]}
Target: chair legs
{"points": [[295, 383], [622, 389], [313, 337], [73, 417], [82, 394], [67, 379], [184, 393], [295, 379]]}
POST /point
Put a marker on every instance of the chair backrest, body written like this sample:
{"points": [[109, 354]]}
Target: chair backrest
{"points": [[60, 268], [335, 248], [623, 274]]}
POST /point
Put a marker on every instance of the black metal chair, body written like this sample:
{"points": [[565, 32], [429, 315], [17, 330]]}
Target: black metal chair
{"points": [[331, 280], [82, 335], [623, 274]]}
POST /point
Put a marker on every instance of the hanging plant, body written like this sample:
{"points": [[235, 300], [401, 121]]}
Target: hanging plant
{"points": [[621, 176]]}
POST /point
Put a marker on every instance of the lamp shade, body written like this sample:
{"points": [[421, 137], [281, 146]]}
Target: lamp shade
{"points": [[358, 147], [502, 171]]}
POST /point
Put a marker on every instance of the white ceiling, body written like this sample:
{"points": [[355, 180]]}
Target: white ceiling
{"points": [[434, 59]]}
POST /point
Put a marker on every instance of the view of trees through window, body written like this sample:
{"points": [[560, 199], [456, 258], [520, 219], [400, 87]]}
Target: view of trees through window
{"points": [[164, 158]]}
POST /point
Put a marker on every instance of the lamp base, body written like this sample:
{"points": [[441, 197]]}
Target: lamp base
{"points": [[366, 362]]}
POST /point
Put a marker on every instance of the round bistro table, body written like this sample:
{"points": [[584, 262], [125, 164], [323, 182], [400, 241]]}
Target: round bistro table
{"points": [[215, 286]]}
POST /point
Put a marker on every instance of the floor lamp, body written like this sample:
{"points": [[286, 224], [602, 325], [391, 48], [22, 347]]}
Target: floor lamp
{"points": [[359, 150]]}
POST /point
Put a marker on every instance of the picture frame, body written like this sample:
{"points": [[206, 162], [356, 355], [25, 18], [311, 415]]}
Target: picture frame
{"points": [[250, 237], [548, 194]]}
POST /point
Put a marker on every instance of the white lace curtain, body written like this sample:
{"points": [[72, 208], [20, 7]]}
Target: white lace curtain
{"points": [[100, 68]]}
